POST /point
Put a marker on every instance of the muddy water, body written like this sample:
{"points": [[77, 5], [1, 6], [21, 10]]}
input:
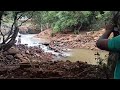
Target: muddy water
{"points": [[85, 55]]}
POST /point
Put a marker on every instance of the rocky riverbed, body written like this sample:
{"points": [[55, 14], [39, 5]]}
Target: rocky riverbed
{"points": [[62, 41], [21, 61]]}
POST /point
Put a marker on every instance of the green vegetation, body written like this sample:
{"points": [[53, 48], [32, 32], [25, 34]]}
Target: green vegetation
{"points": [[73, 20], [11, 21], [59, 21]]}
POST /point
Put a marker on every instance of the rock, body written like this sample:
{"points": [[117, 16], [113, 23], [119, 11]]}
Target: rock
{"points": [[95, 38], [19, 56], [88, 33], [17, 60], [13, 51], [24, 65], [36, 61], [23, 29], [10, 57], [27, 52], [24, 55], [37, 54], [24, 73], [24, 61], [5, 53], [26, 58], [91, 48]]}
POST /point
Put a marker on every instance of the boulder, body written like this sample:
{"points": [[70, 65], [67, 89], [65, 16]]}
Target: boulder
{"points": [[9, 57], [24, 55], [88, 33], [24, 73], [5, 53], [27, 52], [13, 51], [96, 38], [24, 61], [19, 56]]}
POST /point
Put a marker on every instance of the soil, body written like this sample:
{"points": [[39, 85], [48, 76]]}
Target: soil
{"points": [[33, 63], [60, 41], [55, 70], [23, 62]]}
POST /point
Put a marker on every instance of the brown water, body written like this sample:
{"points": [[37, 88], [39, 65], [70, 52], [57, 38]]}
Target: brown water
{"points": [[85, 55]]}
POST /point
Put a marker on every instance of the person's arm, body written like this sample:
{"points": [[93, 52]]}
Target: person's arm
{"points": [[102, 42]]}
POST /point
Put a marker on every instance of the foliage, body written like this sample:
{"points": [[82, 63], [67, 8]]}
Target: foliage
{"points": [[9, 26], [74, 20], [102, 20]]}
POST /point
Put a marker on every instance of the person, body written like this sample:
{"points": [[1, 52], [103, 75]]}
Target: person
{"points": [[110, 44], [19, 39]]}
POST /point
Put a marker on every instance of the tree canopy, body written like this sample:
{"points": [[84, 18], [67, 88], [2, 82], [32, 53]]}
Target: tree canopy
{"points": [[10, 20], [75, 20]]}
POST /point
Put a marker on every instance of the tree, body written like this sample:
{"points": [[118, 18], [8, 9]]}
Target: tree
{"points": [[10, 36], [73, 20]]}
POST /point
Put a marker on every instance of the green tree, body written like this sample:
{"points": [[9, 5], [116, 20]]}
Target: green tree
{"points": [[10, 19], [74, 20]]}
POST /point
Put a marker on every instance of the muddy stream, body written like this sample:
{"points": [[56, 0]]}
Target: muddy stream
{"points": [[72, 55]]}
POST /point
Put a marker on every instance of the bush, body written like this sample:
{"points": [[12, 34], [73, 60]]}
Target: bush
{"points": [[60, 20]]}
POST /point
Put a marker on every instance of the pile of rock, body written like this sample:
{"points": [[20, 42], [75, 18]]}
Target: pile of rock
{"points": [[87, 40], [46, 34], [23, 54]]}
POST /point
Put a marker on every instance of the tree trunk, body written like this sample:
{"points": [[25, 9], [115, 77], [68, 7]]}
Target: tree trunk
{"points": [[11, 42]]}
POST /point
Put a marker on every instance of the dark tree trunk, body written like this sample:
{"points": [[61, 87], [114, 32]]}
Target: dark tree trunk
{"points": [[12, 41], [12, 34]]}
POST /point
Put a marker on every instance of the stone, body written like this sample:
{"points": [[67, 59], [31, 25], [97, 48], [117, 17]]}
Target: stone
{"points": [[88, 33], [5, 53], [37, 54], [91, 48], [35, 61], [27, 52], [13, 51], [19, 56], [26, 58], [24, 55], [24, 61], [95, 38], [25, 73], [10, 57]]}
